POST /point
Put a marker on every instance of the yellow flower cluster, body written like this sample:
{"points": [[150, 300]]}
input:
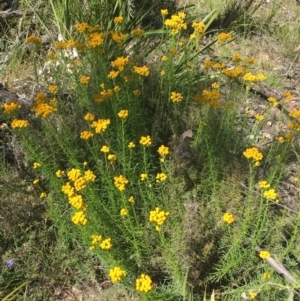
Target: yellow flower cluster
{"points": [[233, 73], [259, 117], [143, 283], [113, 74], [8, 108], [95, 39], [81, 27], [263, 185], [163, 151], [176, 23], [164, 12], [144, 177], [212, 97], [79, 218], [295, 113], [250, 77], [266, 275], [36, 165], [270, 194], [273, 101], [104, 94], [100, 125], [237, 57], [117, 36], [158, 217], [106, 244], [264, 254], [89, 117], [123, 114], [161, 177], [86, 135], [79, 183], [116, 274], [253, 153], [43, 195], [19, 123], [145, 141], [41, 107], [199, 27], [53, 89], [112, 158], [176, 97], [224, 37], [33, 39], [137, 32], [118, 19], [84, 79], [228, 218], [124, 212], [120, 182], [252, 295], [104, 149], [120, 63], [143, 71]]}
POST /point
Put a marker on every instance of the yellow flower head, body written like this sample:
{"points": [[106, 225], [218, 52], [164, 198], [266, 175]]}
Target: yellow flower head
{"points": [[143, 283], [120, 63], [124, 212], [100, 125], [84, 79], [176, 97], [89, 176], [118, 19], [34, 40], [270, 194], [144, 176], [112, 158], [266, 275], [79, 218], [176, 23], [252, 295], [104, 149], [59, 173], [143, 71], [86, 135], [106, 244], [19, 123], [161, 177], [35, 181], [43, 195], [263, 185], [224, 37], [52, 89], [228, 218], [131, 144], [123, 114], [164, 12], [116, 274], [36, 165], [264, 254], [145, 141], [10, 107], [158, 216], [89, 117], [120, 182], [81, 27]]}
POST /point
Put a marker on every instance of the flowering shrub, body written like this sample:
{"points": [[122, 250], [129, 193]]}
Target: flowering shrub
{"points": [[105, 174]]}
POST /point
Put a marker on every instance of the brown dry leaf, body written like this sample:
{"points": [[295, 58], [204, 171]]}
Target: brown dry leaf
{"points": [[297, 48]]}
